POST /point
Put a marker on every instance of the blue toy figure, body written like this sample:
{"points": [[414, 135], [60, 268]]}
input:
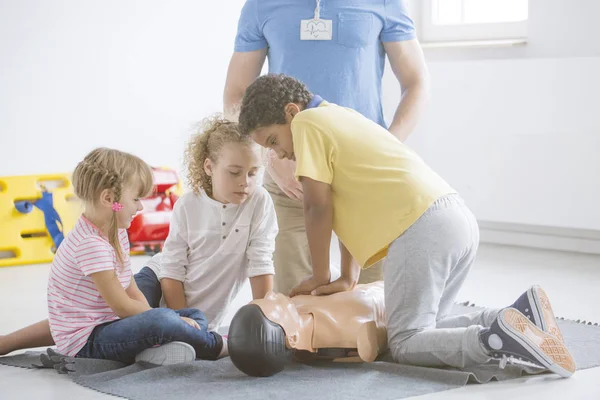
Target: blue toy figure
{"points": [[51, 217]]}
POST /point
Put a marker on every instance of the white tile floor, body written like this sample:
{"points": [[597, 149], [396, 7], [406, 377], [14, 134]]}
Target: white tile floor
{"points": [[498, 277]]}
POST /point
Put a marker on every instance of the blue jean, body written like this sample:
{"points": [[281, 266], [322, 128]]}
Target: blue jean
{"points": [[123, 339], [149, 285]]}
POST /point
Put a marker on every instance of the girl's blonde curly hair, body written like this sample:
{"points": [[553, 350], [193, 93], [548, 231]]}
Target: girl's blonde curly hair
{"points": [[214, 132]]}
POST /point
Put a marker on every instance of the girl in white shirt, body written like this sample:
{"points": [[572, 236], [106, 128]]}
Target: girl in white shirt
{"points": [[222, 233]]}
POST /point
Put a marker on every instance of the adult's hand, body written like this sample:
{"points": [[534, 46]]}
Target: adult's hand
{"points": [[283, 173]]}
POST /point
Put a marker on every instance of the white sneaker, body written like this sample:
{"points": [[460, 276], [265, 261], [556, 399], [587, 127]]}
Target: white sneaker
{"points": [[168, 354]]}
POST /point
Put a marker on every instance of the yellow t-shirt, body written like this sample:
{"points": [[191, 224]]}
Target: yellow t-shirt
{"points": [[380, 187]]}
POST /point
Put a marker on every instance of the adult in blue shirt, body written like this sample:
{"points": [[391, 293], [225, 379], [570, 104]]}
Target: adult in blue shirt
{"points": [[338, 49]]}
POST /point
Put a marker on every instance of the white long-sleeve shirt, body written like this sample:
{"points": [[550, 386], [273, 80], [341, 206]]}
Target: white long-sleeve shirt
{"points": [[213, 248]]}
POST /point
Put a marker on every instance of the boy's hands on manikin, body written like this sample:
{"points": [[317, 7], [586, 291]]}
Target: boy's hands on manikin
{"points": [[342, 284], [308, 285], [321, 287]]}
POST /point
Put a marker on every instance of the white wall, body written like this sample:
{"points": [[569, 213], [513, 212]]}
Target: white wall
{"points": [[517, 130], [135, 75], [138, 74]]}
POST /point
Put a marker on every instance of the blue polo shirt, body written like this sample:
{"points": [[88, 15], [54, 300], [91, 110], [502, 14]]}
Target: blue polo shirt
{"points": [[346, 70]]}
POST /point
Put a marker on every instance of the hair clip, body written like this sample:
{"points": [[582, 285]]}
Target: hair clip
{"points": [[117, 206]]}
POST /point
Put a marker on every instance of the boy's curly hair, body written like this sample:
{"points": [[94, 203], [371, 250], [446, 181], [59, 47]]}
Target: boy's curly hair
{"points": [[214, 132], [266, 98]]}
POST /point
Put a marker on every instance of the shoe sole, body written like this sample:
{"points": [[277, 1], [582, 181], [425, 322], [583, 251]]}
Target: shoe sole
{"points": [[168, 354], [542, 312], [548, 350]]}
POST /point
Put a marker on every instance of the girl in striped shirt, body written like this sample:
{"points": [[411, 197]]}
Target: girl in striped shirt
{"points": [[95, 307]]}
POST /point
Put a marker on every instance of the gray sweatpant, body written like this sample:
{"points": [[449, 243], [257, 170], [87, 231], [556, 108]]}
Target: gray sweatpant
{"points": [[423, 272]]}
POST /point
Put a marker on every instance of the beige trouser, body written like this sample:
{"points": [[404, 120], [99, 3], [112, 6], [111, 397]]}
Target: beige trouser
{"points": [[292, 255]]}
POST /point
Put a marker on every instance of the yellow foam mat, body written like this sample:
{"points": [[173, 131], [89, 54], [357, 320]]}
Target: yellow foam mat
{"points": [[23, 237]]}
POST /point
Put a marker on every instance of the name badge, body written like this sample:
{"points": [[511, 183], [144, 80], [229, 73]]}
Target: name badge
{"points": [[316, 29]]}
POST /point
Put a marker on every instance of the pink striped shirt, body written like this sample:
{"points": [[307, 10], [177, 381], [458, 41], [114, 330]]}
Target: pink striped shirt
{"points": [[75, 307]]}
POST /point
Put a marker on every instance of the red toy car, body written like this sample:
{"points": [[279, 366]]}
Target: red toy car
{"points": [[150, 227]]}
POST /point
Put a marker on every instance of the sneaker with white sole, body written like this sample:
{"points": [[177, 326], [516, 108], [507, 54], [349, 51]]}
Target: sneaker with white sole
{"points": [[168, 354], [224, 349], [514, 338], [535, 305]]}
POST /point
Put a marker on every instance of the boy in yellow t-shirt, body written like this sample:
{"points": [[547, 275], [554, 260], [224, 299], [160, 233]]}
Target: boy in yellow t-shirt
{"points": [[382, 200]]}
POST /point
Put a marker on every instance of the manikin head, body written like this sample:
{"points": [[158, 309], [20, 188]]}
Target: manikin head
{"points": [[264, 334]]}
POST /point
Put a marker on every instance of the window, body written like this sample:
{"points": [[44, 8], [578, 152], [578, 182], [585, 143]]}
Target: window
{"points": [[456, 20]]}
